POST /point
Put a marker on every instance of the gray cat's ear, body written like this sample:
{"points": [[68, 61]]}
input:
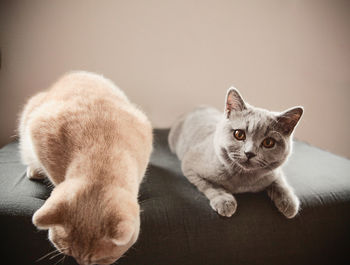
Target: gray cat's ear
{"points": [[289, 119], [234, 101]]}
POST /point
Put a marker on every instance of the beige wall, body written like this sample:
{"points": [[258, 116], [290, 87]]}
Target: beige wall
{"points": [[170, 56]]}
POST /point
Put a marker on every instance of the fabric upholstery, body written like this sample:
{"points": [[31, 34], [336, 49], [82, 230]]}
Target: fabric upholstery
{"points": [[179, 227]]}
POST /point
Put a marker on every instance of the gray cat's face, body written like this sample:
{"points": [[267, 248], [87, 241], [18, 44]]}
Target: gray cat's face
{"points": [[253, 138]]}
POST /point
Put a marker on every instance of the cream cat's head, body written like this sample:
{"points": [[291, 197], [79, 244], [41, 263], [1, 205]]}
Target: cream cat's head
{"points": [[254, 139], [95, 225]]}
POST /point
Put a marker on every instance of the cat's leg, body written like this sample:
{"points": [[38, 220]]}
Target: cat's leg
{"points": [[284, 198], [221, 201], [29, 158], [34, 172]]}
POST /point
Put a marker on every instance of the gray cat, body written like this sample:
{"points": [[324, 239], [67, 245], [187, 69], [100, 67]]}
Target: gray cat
{"points": [[240, 151]]}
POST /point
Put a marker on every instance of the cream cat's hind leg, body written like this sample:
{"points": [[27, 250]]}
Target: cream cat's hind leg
{"points": [[34, 169], [35, 173], [29, 158], [26, 146]]}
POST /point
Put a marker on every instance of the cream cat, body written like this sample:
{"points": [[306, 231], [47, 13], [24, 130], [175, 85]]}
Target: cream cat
{"points": [[94, 146], [240, 150]]}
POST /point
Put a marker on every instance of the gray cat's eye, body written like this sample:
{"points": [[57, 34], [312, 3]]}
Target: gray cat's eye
{"points": [[239, 135], [269, 142]]}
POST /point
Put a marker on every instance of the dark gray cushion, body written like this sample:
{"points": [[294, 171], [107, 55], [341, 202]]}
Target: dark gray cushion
{"points": [[179, 227]]}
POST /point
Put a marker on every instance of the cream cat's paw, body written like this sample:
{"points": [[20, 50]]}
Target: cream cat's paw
{"points": [[288, 205], [224, 204], [33, 173]]}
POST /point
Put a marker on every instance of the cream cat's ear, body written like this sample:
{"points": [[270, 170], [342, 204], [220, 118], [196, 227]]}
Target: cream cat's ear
{"points": [[234, 101], [51, 213], [289, 119], [124, 232]]}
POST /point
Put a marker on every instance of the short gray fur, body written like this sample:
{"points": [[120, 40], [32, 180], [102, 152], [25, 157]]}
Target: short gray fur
{"points": [[218, 164]]}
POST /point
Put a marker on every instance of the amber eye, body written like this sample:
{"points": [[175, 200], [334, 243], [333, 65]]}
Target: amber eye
{"points": [[269, 142], [239, 135]]}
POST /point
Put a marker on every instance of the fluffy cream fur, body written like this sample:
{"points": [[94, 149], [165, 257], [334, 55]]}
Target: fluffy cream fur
{"points": [[94, 146]]}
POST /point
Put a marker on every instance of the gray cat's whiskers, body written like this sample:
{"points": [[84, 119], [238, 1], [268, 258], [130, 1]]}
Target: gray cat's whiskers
{"points": [[236, 156], [261, 162], [265, 164], [233, 164]]}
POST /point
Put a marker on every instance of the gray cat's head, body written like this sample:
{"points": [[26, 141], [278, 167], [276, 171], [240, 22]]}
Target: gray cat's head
{"points": [[251, 138]]}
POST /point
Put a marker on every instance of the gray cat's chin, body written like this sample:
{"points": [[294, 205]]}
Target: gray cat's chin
{"points": [[250, 165], [246, 166]]}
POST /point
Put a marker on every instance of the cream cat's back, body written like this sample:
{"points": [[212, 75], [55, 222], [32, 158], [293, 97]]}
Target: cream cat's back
{"points": [[27, 150], [79, 111], [81, 83]]}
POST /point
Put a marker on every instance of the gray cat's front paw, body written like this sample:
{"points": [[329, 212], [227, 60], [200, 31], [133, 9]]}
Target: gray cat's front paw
{"points": [[288, 205], [224, 204]]}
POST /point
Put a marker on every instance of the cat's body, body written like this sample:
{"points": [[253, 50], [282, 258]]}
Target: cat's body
{"points": [[198, 134], [220, 165], [94, 146]]}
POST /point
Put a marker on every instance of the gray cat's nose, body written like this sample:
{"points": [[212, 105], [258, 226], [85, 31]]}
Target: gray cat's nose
{"points": [[249, 155]]}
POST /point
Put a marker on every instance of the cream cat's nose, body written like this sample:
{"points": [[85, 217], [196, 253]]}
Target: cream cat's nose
{"points": [[249, 155]]}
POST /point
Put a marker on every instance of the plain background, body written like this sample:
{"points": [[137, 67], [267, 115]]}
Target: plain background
{"points": [[169, 56]]}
